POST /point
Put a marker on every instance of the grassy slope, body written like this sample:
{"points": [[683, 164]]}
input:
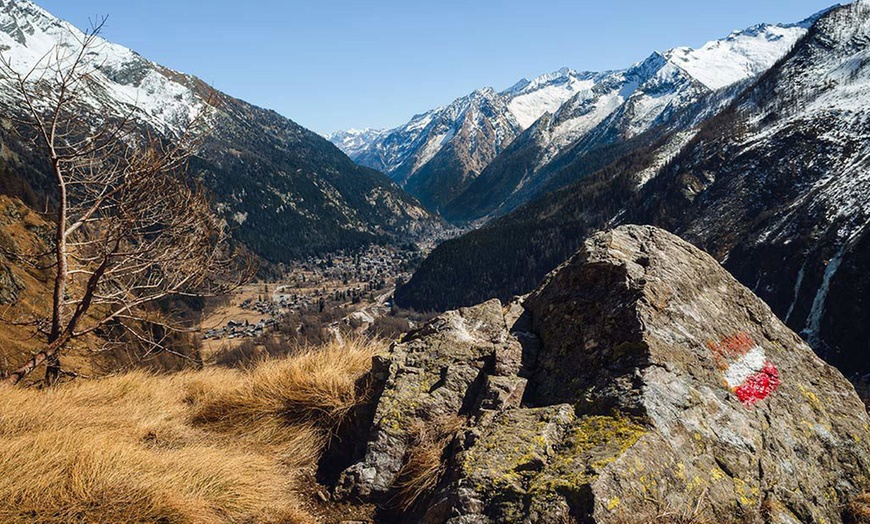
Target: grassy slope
{"points": [[24, 231], [26, 294], [213, 446]]}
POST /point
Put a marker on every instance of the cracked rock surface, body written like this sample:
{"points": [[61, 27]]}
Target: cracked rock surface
{"points": [[639, 380]]}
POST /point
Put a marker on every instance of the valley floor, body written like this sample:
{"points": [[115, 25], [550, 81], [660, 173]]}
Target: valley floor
{"points": [[316, 300]]}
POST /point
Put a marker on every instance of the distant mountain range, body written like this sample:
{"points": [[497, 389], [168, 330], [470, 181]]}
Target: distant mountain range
{"points": [[487, 153], [286, 191], [771, 177]]}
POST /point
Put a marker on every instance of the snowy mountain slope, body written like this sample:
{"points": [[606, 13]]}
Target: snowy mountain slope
{"points": [[743, 54], [28, 34], [775, 186], [353, 141], [653, 93], [287, 191], [530, 100], [446, 133]]}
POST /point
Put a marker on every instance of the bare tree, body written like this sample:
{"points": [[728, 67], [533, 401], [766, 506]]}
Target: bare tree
{"points": [[132, 227]]}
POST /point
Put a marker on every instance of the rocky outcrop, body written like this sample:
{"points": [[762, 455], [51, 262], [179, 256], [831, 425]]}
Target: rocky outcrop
{"points": [[639, 381], [446, 368]]}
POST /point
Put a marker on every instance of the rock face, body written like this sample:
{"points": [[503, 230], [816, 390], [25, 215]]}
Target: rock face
{"points": [[438, 371], [640, 380]]}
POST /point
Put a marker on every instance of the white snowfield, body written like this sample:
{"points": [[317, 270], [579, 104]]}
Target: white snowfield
{"points": [[529, 101], [30, 36], [742, 55]]}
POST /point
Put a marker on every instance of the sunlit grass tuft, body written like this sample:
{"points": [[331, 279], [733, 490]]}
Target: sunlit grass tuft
{"points": [[214, 446]]}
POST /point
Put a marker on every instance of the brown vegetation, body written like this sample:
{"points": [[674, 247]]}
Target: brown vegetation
{"points": [[858, 511], [212, 446], [26, 293], [425, 463]]}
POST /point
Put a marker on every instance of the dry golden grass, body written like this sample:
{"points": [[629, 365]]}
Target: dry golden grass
{"points": [[425, 465], [215, 446], [858, 511]]}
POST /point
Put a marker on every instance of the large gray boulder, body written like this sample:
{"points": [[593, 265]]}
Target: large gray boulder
{"points": [[658, 386]]}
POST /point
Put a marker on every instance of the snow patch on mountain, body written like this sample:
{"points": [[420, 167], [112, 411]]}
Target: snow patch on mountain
{"points": [[675, 144], [579, 116], [29, 35], [741, 55], [434, 145], [530, 100]]}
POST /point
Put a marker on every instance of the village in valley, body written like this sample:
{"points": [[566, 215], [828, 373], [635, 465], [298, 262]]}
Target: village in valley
{"points": [[318, 297]]}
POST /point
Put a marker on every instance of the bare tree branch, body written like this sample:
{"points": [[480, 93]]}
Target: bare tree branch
{"points": [[132, 227]]}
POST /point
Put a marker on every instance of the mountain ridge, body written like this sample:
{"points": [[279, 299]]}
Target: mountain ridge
{"points": [[558, 109], [287, 191]]}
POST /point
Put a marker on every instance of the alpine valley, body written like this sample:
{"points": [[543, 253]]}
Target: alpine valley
{"points": [[286, 191], [630, 296]]}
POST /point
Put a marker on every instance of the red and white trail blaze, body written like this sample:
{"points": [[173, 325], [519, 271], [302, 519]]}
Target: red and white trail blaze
{"points": [[747, 371]]}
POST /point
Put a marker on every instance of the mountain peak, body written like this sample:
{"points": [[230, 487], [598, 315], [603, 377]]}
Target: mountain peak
{"points": [[486, 92], [743, 54], [647, 67], [529, 100]]}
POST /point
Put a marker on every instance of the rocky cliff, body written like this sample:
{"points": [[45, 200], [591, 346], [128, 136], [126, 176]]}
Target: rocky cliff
{"points": [[641, 382]]}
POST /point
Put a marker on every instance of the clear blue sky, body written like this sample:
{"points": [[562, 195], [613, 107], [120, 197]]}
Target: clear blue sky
{"points": [[334, 64]]}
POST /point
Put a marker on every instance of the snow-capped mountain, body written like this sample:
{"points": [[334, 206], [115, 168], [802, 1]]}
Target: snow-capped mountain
{"points": [[286, 190], [653, 94], [559, 117], [448, 134], [775, 185], [164, 99], [353, 141]]}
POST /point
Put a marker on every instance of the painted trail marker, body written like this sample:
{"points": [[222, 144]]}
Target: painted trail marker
{"points": [[747, 371]]}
